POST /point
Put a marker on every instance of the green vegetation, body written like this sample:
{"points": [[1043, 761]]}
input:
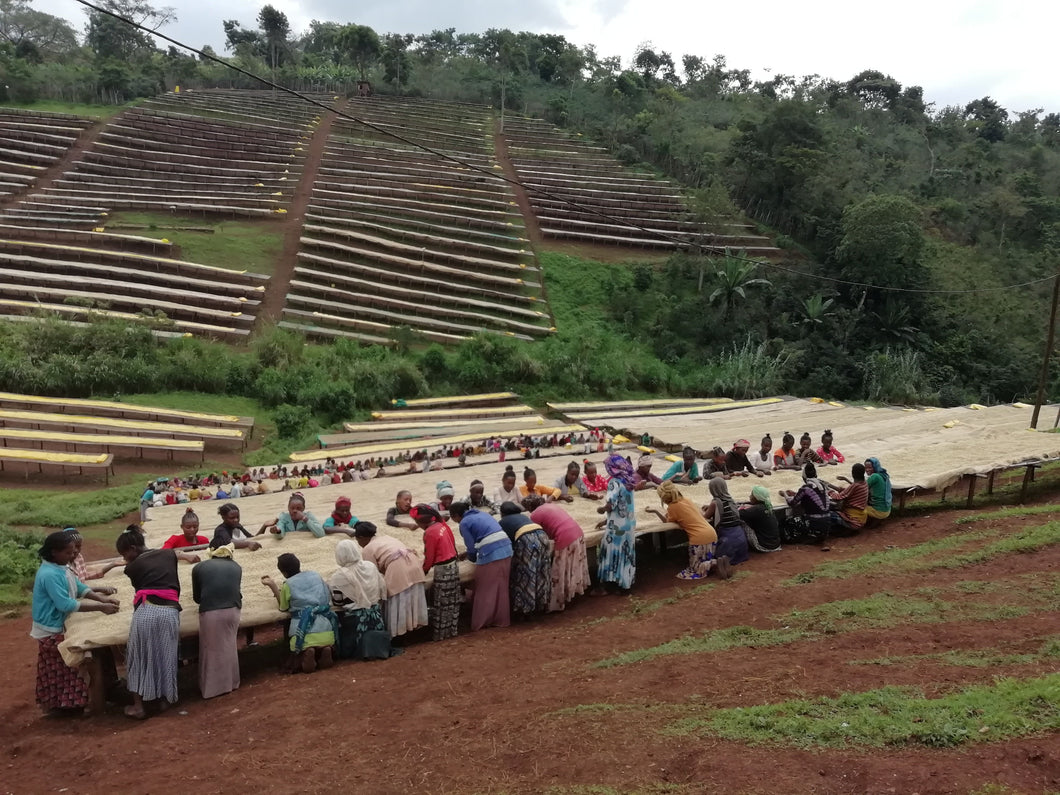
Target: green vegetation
{"points": [[892, 716], [238, 245], [1008, 513], [926, 556], [57, 509], [18, 565], [878, 611], [102, 112], [975, 658], [853, 176]]}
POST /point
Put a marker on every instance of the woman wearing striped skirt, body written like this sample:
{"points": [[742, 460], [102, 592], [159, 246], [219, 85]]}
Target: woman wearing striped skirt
{"points": [[151, 655], [439, 553], [531, 577]]}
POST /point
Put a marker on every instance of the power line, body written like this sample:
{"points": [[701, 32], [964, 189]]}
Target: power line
{"points": [[659, 234]]}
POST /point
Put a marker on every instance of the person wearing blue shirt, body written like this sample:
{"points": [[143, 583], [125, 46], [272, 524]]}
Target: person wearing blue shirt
{"points": [[490, 549], [686, 470], [56, 594]]}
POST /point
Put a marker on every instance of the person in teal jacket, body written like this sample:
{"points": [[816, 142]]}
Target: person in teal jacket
{"points": [[56, 594]]}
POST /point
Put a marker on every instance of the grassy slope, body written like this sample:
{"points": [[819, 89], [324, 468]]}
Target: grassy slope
{"points": [[237, 245], [73, 108]]}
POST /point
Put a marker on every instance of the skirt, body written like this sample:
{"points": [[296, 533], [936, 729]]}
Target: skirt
{"points": [[490, 606], [407, 610], [732, 541], [872, 513], [699, 557], [218, 652], [616, 558], [58, 685], [360, 633], [151, 657], [446, 596], [570, 574], [531, 576]]}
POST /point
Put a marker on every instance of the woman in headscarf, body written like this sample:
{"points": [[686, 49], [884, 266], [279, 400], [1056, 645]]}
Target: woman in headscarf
{"points": [[531, 577], [439, 554], [342, 517], [477, 499], [570, 565], [701, 536], [406, 599], [738, 462], [357, 588], [724, 515], [879, 483], [313, 627], [812, 497], [444, 493], [215, 587], [760, 523], [616, 560], [56, 594]]}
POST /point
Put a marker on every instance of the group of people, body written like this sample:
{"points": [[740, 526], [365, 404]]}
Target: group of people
{"points": [[529, 555]]}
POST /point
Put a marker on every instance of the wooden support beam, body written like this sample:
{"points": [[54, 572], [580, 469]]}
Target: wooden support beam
{"points": [[990, 481], [971, 489]]}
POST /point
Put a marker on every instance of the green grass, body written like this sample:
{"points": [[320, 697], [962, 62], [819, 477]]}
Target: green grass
{"points": [[926, 556], [57, 509], [879, 611], [18, 565], [198, 401], [1008, 513], [974, 658], [891, 716], [73, 108], [237, 245]]}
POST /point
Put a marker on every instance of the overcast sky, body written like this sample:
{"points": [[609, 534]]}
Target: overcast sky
{"points": [[958, 51]]}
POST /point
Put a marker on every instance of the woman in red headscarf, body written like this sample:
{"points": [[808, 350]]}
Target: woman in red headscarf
{"points": [[342, 517]]}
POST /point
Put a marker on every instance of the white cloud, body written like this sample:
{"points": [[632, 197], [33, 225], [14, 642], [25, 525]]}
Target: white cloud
{"points": [[958, 51]]}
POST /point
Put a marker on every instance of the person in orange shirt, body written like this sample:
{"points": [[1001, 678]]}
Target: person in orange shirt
{"points": [[701, 536], [530, 486]]}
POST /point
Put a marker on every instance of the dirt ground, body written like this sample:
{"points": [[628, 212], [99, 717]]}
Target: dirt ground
{"points": [[478, 713]]}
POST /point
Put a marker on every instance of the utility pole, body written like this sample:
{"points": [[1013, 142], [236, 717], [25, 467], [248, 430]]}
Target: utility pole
{"points": [[1050, 335]]}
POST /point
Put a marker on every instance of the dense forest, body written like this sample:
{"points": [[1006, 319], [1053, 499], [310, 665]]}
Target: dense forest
{"points": [[861, 182]]}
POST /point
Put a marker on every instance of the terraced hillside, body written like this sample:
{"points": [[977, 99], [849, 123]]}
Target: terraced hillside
{"points": [[212, 154], [30, 143], [400, 241], [616, 205]]}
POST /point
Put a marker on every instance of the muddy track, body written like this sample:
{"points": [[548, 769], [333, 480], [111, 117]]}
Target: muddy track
{"points": [[276, 292]]}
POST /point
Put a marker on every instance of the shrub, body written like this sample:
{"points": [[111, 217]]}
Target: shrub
{"points": [[289, 420]]}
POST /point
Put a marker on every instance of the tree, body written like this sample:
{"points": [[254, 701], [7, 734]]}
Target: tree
{"points": [[110, 38], [733, 277], [874, 89], [275, 31], [33, 34], [882, 244], [988, 119], [360, 45], [395, 57]]}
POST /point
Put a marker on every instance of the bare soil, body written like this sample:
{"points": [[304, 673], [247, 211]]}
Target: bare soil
{"points": [[478, 714]]}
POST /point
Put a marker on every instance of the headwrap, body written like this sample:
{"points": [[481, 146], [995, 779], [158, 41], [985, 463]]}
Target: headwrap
{"points": [[729, 514], [645, 460], [223, 551], [425, 510], [357, 579], [741, 443], [619, 469], [668, 492], [342, 517], [879, 470], [761, 493], [444, 489]]}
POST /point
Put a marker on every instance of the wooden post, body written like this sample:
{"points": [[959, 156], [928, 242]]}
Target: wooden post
{"points": [[990, 482], [1050, 334], [97, 687], [1028, 475], [971, 489]]}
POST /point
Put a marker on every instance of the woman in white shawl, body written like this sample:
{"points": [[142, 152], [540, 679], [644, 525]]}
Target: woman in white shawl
{"points": [[357, 589]]}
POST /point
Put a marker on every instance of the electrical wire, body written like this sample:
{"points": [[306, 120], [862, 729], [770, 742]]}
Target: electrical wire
{"points": [[659, 234]]}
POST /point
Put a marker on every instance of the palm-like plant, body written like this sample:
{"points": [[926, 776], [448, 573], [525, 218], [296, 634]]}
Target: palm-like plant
{"points": [[734, 276], [817, 311]]}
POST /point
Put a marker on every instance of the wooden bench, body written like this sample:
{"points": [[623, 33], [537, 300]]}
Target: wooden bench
{"points": [[79, 440], [66, 460], [111, 408], [78, 423]]}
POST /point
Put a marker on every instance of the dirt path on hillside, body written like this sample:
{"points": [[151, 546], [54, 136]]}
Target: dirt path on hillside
{"points": [[499, 710], [56, 171], [276, 292]]}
